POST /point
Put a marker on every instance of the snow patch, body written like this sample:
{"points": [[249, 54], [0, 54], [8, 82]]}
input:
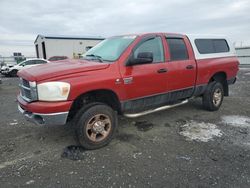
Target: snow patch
{"points": [[14, 122], [200, 131], [237, 121], [30, 182]]}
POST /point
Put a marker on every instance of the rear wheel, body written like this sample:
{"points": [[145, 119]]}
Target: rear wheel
{"points": [[95, 125], [213, 96]]}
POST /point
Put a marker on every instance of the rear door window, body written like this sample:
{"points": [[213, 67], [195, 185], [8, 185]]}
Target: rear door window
{"points": [[177, 49]]}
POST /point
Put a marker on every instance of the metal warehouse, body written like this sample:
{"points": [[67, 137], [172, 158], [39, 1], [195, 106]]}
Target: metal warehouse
{"points": [[72, 47], [243, 54]]}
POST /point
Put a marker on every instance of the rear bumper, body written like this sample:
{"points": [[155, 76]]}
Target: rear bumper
{"points": [[59, 118]]}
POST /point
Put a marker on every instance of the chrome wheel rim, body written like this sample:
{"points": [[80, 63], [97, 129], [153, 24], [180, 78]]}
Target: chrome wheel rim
{"points": [[217, 97], [98, 127]]}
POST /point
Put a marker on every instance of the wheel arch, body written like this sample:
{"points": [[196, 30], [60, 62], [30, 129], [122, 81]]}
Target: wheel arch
{"points": [[105, 96], [222, 78]]}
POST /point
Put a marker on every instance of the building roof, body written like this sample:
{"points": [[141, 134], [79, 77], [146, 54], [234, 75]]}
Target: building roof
{"points": [[69, 37]]}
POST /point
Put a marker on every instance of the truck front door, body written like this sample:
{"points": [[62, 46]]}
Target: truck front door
{"points": [[144, 83]]}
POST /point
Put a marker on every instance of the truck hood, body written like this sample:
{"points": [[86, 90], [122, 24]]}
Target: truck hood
{"points": [[60, 68]]}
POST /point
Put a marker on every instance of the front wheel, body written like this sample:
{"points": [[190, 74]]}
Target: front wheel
{"points": [[95, 126], [213, 96]]}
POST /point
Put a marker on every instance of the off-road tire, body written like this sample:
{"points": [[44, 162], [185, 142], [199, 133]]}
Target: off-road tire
{"points": [[208, 99], [82, 123]]}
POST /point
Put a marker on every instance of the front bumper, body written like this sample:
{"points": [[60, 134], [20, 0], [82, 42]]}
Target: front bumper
{"points": [[59, 118], [45, 113], [5, 72]]}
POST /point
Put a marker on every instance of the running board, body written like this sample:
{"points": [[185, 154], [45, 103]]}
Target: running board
{"points": [[155, 110]]}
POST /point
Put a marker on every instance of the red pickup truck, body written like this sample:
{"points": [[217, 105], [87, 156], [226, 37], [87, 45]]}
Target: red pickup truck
{"points": [[130, 75]]}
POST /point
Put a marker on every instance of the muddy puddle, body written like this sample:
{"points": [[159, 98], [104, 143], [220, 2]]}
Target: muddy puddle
{"points": [[144, 125], [125, 137], [74, 153]]}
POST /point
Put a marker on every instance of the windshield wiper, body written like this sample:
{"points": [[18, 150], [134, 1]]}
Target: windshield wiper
{"points": [[99, 58]]}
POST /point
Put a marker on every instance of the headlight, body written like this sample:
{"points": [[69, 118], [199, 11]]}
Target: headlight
{"points": [[53, 91]]}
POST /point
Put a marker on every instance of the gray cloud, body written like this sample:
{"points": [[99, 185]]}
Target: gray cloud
{"points": [[22, 20]]}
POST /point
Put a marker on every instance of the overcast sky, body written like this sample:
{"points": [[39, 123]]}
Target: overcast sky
{"points": [[22, 21]]}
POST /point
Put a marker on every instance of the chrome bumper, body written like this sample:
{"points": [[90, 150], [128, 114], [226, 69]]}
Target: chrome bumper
{"points": [[5, 72], [45, 119]]}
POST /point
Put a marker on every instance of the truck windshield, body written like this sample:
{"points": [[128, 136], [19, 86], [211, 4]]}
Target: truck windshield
{"points": [[110, 49]]}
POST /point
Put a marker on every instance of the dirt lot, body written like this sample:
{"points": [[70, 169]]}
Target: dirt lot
{"points": [[181, 147]]}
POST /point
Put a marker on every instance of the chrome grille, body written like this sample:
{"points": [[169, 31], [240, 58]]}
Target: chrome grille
{"points": [[27, 91], [25, 83]]}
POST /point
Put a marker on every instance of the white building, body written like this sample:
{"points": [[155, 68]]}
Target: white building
{"points": [[243, 54], [72, 47]]}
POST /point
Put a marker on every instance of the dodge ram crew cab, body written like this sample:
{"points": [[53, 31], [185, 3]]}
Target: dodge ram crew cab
{"points": [[130, 75]]}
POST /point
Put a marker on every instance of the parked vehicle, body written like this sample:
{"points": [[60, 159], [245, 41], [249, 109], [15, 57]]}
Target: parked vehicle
{"points": [[57, 58], [7, 65], [130, 75], [12, 71]]}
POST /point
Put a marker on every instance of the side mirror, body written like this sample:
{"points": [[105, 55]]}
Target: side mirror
{"points": [[142, 58]]}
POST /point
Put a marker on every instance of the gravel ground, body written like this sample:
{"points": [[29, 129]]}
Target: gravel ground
{"points": [[181, 147]]}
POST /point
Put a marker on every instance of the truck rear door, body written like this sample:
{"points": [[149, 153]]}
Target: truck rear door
{"points": [[181, 66]]}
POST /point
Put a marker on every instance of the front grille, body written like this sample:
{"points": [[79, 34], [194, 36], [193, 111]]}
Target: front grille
{"points": [[28, 92], [26, 83]]}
